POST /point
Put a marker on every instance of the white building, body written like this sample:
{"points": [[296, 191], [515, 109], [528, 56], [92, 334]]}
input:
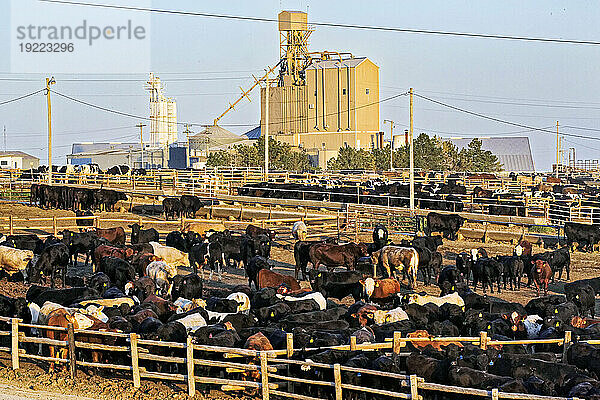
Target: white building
{"points": [[18, 160], [163, 115]]}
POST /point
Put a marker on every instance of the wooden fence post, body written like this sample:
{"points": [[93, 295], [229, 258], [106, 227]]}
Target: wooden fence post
{"points": [[135, 368], [352, 343], [14, 348], [72, 351], [494, 394], [397, 343], [289, 344], [191, 377], [264, 375], [483, 336], [337, 376], [566, 345], [414, 387], [10, 225]]}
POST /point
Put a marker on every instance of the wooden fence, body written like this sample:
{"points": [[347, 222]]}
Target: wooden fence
{"points": [[192, 364], [321, 225]]}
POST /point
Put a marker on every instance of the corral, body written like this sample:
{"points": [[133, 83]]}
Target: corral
{"points": [[280, 374]]}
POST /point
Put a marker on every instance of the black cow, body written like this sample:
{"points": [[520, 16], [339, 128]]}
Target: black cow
{"points": [[85, 242], [24, 242], [583, 295], [586, 236], [337, 284], [190, 205], [447, 224], [99, 282], [447, 279], [84, 221], [54, 259], [177, 240], [172, 208], [254, 265], [513, 270], [139, 235], [487, 271], [65, 297], [429, 242], [119, 271], [187, 286]]}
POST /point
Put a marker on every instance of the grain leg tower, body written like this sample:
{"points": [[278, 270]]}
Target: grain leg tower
{"points": [[163, 115], [322, 100]]}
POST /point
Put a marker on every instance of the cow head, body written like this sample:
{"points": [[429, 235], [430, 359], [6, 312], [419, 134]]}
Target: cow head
{"points": [[368, 286], [375, 257], [518, 251]]}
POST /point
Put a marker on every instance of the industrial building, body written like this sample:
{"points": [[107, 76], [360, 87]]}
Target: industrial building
{"points": [[514, 153], [18, 160], [161, 151], [163, 115], [320, 101]]}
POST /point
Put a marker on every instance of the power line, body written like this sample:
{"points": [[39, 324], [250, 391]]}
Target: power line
{"points": [[125, 114], [223, 78], [501, 120], [331, 24], [12, 134], [581, 128], [21, 97]]}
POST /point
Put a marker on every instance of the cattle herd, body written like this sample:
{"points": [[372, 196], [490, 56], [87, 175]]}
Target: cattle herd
{"points": [[449, 196], [367, 290]]}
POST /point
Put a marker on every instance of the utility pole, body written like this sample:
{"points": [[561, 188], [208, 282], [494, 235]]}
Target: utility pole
{"points": [[187, 135], [49, 81], [266, 135], [391, 142], [140, 125], [412, 154], [557, 149]]}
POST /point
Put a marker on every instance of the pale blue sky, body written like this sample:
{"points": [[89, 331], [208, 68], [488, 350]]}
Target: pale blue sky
{"points": [[484, 75]]}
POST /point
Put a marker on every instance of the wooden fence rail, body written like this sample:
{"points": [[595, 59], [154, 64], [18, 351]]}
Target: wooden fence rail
{"points": [[275, 377]]}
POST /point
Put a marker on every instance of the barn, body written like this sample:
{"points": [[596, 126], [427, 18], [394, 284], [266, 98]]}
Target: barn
{"points": [[514, 153]]}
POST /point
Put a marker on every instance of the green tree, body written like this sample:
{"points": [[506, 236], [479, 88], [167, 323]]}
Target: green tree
{"points": [[219, 158], [281, 156], [480, 160], [350, 159]]}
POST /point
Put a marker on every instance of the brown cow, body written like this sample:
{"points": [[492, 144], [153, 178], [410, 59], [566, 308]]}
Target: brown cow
{"points": [[258, 342], [523, 249], [61, 317], [255, 231], [583, 322], [333, 255], [400, 259], [378, 289], [424, 334], [365, 314], [104, 250], [541, 273], [114, 235], [268, 278]]}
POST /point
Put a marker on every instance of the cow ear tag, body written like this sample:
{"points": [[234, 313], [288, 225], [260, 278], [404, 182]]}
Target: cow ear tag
{"points": [[311, 340], [556, 311], [272, 314], [557, 324], [577, 297], [480, 315], [489, 327]]}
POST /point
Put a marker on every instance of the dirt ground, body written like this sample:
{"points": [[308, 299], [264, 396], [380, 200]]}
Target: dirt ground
{"points": [[35, 377]]}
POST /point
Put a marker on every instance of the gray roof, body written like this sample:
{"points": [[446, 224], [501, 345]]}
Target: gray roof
{"points": [[349, 62], [17, 153], [513, 152], [102, 146]]}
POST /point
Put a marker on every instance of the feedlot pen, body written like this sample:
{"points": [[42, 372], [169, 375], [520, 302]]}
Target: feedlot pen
{"points": [[267, 373]]}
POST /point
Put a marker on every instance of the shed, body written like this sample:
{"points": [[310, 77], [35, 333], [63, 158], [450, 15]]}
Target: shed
{"points": [[514, 153]]}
